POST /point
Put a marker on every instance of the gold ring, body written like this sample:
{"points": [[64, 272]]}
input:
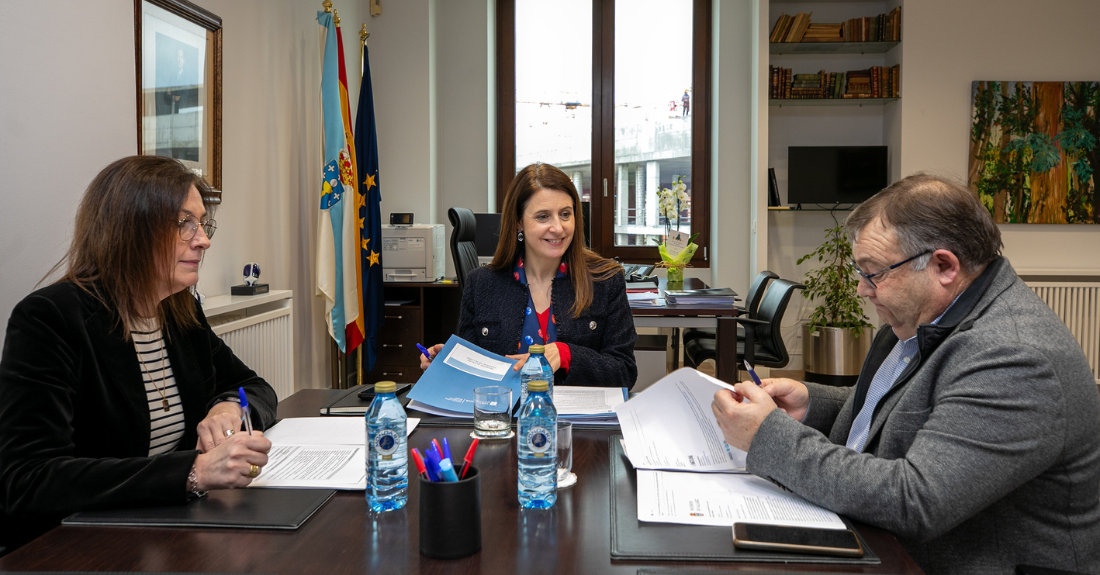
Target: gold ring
{"points": [[228, 432], [254, 471]]}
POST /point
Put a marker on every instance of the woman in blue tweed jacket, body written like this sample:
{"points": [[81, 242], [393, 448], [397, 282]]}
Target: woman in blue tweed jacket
{"points": [[545, 287]]}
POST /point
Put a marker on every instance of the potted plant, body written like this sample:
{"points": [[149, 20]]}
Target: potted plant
{"points": [[835, 339], [672, 202]]}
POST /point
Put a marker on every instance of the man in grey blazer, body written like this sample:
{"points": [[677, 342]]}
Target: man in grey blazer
{"points": [[973, 432]]}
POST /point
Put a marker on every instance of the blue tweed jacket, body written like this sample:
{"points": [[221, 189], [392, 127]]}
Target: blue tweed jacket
{"points": [[601, 340]]}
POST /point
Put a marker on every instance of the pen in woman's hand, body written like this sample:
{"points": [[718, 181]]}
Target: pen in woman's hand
{"points": [[424, 351]]}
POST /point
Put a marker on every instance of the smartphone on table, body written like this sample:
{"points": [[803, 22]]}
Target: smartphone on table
{"points": [[759, 537]]}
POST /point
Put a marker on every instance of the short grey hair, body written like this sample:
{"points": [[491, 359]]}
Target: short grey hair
{"points": [[927, 213]]}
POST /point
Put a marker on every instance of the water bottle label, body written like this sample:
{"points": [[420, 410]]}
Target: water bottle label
{"points": [[538, 440], [385, 443]]}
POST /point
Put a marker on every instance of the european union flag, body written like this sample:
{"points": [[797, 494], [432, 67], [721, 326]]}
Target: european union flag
{"points": [[366, 150]]}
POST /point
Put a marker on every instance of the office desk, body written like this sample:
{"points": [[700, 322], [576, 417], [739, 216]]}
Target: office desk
{"points": [[718, 318], [344, 537]]}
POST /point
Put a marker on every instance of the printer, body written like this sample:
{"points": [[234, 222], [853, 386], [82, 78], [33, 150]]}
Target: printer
{"points": [[413, 253]]}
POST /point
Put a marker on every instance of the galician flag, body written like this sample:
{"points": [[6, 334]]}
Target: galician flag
{"points": [[336, 246]]}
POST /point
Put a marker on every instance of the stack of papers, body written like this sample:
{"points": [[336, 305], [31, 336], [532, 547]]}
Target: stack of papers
{"points": [[318, 452], [711, 296], [670, 426], [588, 405]]}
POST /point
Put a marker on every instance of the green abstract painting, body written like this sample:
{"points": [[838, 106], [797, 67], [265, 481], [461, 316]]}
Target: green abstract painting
{"points": [[1033, 151]]}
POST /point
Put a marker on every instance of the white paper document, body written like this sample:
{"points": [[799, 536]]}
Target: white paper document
{"points": [[670, 426], [474, 363], [580, 400], [321, 452], [722, 499]]}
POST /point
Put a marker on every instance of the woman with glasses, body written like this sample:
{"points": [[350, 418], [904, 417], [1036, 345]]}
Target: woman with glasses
{"points": [[114, 391]]}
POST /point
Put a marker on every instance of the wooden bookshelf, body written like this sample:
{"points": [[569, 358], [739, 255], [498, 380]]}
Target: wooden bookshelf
{"points": [[831, 47]]}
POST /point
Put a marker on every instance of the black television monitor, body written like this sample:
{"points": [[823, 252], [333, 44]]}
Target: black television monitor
{"points": [[835, 174], [486, 234]]}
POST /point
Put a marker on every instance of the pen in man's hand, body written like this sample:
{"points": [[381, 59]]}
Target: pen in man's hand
{"points": [[752, 374], [424, 351], [245, 410]]}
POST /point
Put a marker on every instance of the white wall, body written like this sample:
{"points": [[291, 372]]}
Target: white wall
{"points": [[67, 110], [946, 45]]}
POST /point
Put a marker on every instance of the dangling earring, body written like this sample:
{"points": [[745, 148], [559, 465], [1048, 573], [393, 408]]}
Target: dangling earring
{"points": [[521, 235]]}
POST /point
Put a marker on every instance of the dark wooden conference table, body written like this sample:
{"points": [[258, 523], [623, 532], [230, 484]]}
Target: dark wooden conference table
{"points": [[345, 537]]}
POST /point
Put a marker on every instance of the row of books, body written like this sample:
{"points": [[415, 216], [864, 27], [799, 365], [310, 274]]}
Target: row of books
{"points": [[797, 28], [874, 82], [881, 28]]}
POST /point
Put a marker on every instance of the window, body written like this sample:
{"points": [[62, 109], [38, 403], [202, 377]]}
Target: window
{"points": [[615, 93]]}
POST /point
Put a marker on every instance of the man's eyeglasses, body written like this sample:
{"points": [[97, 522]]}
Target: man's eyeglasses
{"points": [[881, 274], [189, 226]]}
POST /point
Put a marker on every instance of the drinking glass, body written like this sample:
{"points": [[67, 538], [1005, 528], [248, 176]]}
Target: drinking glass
{"points": [[492, 411], [566, 477]]}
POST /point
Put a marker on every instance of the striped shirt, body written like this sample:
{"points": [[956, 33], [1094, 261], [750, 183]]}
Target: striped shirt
{"points": [[165, 428]]}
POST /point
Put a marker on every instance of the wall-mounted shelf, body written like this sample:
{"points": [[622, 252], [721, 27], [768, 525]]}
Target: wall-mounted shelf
{"points": [[830, 47], [831, 102]]}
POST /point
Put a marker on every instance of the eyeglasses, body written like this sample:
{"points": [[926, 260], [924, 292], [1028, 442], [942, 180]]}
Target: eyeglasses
{"points": [[881, 274], [189, 226]]}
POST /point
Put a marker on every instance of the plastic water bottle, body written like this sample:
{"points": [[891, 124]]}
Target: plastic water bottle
{"points": [[387, 450], [536, 368], [537, 443]]}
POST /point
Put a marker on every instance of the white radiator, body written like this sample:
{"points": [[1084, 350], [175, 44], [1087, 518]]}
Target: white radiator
{"points": [[261, 335], [1078, 304]]}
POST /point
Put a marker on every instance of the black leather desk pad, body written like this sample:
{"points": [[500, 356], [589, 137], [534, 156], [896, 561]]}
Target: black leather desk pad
{"points": [[638, 540], [255, 508]]}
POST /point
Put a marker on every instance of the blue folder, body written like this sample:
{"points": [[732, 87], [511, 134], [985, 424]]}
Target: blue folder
{"points": [[447, 384]]}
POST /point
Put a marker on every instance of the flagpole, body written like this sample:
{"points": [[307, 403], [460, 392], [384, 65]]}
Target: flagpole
{"points": [[363, 35]]}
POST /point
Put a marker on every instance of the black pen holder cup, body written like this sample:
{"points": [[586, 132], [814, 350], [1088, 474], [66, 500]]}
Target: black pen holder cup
{"points": [[450, 517]]}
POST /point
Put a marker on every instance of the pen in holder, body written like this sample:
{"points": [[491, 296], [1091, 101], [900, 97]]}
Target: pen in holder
{"points": [[450, 517]]}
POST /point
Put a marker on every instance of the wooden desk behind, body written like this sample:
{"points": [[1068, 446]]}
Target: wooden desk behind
{"points": [[719, 318], [345, 537]]}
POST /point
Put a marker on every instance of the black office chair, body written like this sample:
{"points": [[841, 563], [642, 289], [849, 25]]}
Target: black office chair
{"points": [[752, 303], [463, 249], [763, 343]]}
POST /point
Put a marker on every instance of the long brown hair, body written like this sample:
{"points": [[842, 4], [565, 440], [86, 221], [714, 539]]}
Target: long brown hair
{"points": [[585, 265], [125, 234]]}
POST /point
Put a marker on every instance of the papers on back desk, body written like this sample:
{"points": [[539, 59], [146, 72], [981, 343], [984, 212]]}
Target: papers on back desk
{"points": [[721, 499], [320, 452], [670, 426]]}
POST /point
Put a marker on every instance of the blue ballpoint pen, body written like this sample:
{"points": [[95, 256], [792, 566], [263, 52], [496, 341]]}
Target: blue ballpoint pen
{"points": [[446, 450], [752, 374], [424, 351], [245, 410]]}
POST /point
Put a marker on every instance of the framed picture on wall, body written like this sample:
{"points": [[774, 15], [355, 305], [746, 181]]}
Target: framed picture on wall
{"points": [[179, 85]]}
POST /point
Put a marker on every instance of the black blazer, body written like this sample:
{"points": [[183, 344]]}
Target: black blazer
{"points": [[601, 340], [74, 419]]}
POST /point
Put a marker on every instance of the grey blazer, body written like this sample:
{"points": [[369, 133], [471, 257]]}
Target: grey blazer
{"points": [[984, 455], [601, 340]]}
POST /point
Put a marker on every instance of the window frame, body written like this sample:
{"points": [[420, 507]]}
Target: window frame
{"points": [[603, 126]]}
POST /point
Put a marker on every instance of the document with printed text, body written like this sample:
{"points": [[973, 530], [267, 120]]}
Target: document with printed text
{"points": [[671, 426], [318, 452], [722, 499]]}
